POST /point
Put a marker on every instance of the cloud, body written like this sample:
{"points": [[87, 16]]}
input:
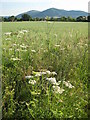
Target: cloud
{"points": [[71, 4], [32, 1]]}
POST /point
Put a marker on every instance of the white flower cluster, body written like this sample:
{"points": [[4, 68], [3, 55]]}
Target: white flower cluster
{"points": [[37, 74], [16, 59], [57, 89], [33, 82], [8, 33], [28, 77], [8, 39], [23, 31], [33, 51], [57, 45], [52, 80], [51, 73], [23, 46], [68, 84]]}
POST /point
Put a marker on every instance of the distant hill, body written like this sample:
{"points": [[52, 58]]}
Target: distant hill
{"points": [[53, 12], [32, 13]]}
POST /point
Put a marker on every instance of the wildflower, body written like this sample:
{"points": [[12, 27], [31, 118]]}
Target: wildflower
{"points": [[8, 33], [38, 74], [28, 77], [8, 38], [55, 35], [10, 49], [17, 50], [23, 46], [25, 31], [62, 49], [50, 22], [43, 73], [15, 59], [18, 36], [68, 84], [60, 101], [57, 45], [48, 72], [52, 80], [57, 89], [86, 45], [21, 32], [14, 44], [59, 82], [4, 48], [53, 73], [33, 51], [32, 82]]}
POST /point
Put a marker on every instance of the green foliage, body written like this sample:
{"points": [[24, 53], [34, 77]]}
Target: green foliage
{"points": [[38, 60], [26, 17]]}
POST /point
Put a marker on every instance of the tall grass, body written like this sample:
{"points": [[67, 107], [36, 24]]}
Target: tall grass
{"points": [[45, 67]]}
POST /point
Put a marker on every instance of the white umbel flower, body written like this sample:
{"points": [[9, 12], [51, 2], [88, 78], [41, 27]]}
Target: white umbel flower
{"points": [[28, 77], [33, 51], [53, 73], [68, 84], [52, 80], [33, 82], [57, 89], [8, 33], [16, 59]]}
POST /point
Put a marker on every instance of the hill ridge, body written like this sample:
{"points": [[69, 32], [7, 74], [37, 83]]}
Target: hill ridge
{"points": [[53, 12]]}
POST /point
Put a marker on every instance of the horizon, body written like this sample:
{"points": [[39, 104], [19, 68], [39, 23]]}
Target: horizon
{"points": [[8, 8], [40, 11]]}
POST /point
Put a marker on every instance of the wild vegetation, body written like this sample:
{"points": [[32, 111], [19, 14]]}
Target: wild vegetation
{"points": [[26, 17], [44, 70]]}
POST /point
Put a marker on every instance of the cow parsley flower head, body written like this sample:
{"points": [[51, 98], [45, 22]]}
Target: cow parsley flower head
{"points": [[28, 77], [8, 33], [57, 45], [57, 89], [48, 72], [25, 31], [33, 82], [52, 80], [8, 39], [54, 73], [16, 59], [33, 51], [68, 84]]}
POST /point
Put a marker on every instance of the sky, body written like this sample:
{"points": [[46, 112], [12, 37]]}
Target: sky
{"points": [[15, 7]]}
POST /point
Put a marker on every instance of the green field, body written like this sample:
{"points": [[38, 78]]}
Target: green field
{"points": [[45, 70]]}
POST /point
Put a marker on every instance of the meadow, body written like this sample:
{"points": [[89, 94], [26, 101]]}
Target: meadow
{"points": [[44, 70]]}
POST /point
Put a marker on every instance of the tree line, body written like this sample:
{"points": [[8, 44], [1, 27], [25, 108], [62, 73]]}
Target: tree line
{"points": [[26, 17]]}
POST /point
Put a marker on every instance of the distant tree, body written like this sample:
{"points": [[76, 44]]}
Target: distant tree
{"points": [[63, 18], [11, 18], [47, 18], [37, 19], [26, 17], [5, 19], [88, 18], [1, 19], [81, 19], [70, 19], [51, 19]]}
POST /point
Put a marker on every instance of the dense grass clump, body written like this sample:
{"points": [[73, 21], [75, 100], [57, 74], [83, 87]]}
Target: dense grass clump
{"points": [[45, 70]]}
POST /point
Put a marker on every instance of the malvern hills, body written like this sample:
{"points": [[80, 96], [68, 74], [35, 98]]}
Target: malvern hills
{"points": [[53, 12]]}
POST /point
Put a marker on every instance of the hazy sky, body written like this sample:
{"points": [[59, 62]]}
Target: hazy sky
{"points": [[14, 7]]}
